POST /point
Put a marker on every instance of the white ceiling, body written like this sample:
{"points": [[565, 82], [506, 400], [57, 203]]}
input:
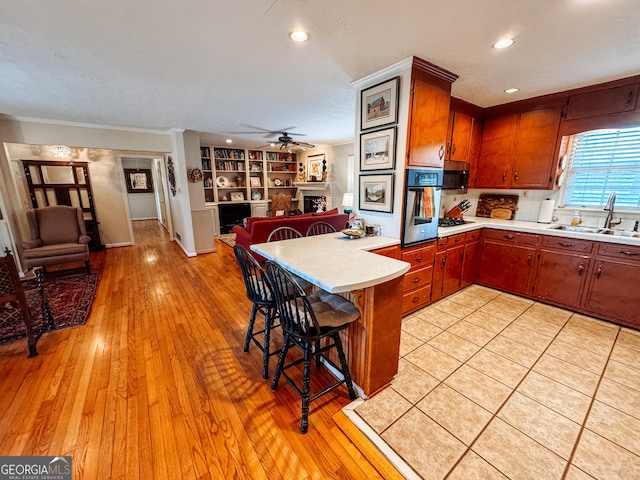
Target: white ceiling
{"points": [[218, 66]]}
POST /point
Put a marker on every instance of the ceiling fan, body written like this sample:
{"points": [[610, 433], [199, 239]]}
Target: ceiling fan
{"points": [[285, 139]]}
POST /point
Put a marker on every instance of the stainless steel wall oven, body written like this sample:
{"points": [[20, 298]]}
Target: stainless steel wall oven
{"points": [[421, 206]]}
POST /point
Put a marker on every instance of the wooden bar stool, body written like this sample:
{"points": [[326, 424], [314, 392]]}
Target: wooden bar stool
{"points": [[259, 292], [305, 321]]}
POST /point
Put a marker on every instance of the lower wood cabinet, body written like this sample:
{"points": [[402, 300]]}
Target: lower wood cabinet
{"points": [[562, 270], [508, 260], [417, 281], [613, 284]]}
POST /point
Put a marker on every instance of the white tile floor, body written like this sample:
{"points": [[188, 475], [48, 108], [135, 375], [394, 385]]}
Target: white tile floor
{"points": [[492, 385]]}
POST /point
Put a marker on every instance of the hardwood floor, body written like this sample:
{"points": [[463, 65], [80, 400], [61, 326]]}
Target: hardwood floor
{"points": [[156, 384]]}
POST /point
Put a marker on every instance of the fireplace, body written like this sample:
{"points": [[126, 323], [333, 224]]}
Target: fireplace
{"points": [[311, 193], [314, 202]]}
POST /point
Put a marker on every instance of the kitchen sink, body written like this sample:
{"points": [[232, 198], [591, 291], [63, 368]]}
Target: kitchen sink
{"points": [[603, 231], [577, 228]]}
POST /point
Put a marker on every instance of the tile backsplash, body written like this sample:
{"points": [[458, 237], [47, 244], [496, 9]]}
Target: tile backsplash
{"points": [[529, 202]]}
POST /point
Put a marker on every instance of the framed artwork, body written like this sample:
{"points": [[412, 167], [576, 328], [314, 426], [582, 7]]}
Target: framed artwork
{"points": [[316, 165], [236, 196], [376, 192], [254, 181], [379, 104], [138, 180], [378, 150]]}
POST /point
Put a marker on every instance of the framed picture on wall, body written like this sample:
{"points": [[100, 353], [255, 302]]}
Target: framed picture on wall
{"points": [[376, 192], [379, 104], [378, 150], [138, 180], [316, 164]]}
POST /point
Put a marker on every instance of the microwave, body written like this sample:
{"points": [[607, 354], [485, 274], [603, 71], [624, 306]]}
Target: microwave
{"points": [[455, 177]]}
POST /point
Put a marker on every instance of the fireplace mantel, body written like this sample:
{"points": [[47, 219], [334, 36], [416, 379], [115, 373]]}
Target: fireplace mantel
{"points": [[312, 186]]}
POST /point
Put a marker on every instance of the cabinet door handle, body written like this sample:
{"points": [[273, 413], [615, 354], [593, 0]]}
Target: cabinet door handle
{"points": [[509, 236], [599, 271], [416, 280], [415, 299], [453, 149], [419, 259], [630, 97], [441, 152], [444, 261], [504, 175], [515, 176], [565, 244], [529, 260], [627, 252], [580, 269]]}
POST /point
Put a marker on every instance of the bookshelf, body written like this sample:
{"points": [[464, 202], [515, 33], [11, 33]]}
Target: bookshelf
{"points": [[235, 175]]}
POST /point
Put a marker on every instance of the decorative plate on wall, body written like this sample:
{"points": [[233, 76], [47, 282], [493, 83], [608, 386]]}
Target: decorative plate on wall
{"points": [[222, 181], [277, 182], [256, 196]]}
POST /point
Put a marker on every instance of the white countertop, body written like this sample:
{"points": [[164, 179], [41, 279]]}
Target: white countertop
{"points": [[532, 227], [335, 262]]}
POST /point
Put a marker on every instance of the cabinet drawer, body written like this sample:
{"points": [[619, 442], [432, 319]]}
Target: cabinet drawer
{"points": [[567, 244], [509, 236], [446, 242], [620, 251], [420, 257], [474, 235], [416, 299], [417, 278]]}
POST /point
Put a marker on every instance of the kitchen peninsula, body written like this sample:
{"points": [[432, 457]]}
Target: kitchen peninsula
{"points": [[372, 282]]}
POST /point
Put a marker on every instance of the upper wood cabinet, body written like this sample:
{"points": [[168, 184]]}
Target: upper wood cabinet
{"points": [[428, 114], [602, 102], [459, 131], [517, 150]]}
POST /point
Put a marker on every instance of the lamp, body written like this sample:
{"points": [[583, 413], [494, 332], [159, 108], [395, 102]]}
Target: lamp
{"points": [[347, 203]]}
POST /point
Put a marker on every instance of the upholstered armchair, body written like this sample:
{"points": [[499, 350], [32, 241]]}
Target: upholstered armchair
{"points": [[58, 235]]}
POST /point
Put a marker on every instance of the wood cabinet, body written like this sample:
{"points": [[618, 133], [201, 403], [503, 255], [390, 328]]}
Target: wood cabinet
{"points": [[456, 263], [508, 260], [613, 287], [563, 264], [428, 114], [517, 150], [391, 252], [472, 255], [417, 281], [459, 134], [602, 102]]}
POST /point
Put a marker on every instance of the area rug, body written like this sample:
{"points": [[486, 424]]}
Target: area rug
{"points": [[228, 239], [70, 298]]}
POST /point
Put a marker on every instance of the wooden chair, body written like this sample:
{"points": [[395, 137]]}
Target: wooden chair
{"points": [[258, 290], [283, 233], [13, 302], [320, 228], [306, 322]]}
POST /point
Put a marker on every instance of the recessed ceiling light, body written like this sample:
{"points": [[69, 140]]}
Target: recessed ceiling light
{"points": [[272, 144], [299, 36], [511, 90], [228, 140], [504, 43]]}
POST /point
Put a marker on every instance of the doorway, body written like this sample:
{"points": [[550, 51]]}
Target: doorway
{"points": [[151, 202]]}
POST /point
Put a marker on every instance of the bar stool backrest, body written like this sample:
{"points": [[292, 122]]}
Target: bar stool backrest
{"points": [[283, 233], [320, 228], [255, 280], [296, 314]]}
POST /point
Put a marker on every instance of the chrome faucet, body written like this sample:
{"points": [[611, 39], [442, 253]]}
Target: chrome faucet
{"points": [[609, 208]]}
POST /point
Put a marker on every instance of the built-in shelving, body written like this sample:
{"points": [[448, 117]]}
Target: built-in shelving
{"points": [[239, 175]]}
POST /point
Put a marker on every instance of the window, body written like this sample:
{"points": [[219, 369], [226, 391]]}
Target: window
{"points": [[601, 162]]}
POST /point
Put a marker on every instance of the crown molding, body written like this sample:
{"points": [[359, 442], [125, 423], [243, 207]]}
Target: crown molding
{"points": [[383, 74], [65, 123]]}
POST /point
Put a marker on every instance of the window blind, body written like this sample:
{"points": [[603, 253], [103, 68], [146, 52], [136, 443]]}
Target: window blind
{"points": [[601, 162]]}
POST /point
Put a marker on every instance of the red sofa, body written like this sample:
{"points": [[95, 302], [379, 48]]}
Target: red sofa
{"points": [[257, 229]]}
